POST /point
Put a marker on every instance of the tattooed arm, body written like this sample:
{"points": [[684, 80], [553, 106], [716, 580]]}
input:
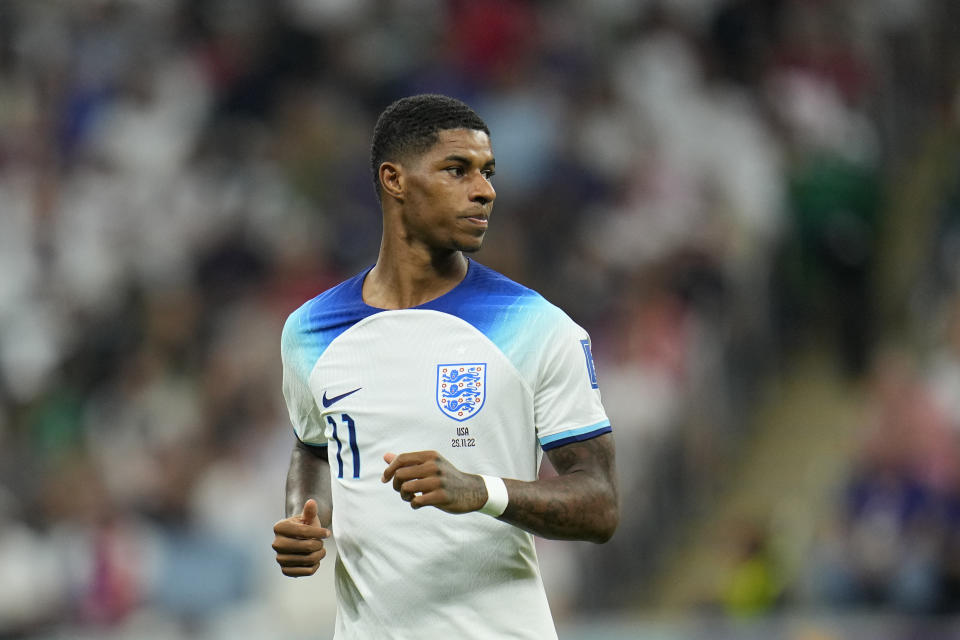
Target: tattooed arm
{"points": [[580, 503]]}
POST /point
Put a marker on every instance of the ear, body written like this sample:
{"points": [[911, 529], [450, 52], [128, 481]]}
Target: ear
{"points": [[392, 180]]}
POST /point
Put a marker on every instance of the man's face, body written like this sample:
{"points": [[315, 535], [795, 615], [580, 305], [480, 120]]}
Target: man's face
{"points": [[448, 196]]}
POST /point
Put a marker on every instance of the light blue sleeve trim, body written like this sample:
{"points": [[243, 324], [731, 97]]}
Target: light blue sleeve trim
{"points": [[571, 433]]}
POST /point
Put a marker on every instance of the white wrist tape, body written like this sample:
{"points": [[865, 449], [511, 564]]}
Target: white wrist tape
{"points": [[497, 497]]}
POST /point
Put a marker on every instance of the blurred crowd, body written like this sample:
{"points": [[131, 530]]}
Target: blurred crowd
{"points": [[699, 183], [892, 540]]}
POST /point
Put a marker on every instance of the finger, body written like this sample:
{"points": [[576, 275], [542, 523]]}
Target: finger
{"points": [[299, 572], [430, 499], [296, 546], [421, 485], [293, 528], [404, 460], [309, 514], [393, 461], [405, 474], [288, 560]]}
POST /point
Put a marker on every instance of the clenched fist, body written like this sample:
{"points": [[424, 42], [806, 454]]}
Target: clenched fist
{"points": [[298, 541], [427, 479]]}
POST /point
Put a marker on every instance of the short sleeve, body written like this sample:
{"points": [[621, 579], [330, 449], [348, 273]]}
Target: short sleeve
{"points": [[298, 362], [567, 397]]}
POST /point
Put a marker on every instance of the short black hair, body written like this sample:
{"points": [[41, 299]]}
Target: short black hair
{"points": [[410, 126]]}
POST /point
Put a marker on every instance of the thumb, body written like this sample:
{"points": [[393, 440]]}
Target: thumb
{"points": [[389, 457], [309, 511]]}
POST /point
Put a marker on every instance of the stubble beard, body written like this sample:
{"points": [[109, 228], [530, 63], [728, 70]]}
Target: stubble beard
{"points": [[470, 249]]}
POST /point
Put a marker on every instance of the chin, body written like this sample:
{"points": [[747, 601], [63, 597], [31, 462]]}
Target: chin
{"points": [[471, 247]]}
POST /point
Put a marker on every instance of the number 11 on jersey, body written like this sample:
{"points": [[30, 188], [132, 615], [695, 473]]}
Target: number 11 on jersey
{"points": [[354, 449]]}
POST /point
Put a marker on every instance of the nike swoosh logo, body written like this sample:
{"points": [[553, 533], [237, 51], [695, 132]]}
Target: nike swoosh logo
{"points": [[329, 401]]}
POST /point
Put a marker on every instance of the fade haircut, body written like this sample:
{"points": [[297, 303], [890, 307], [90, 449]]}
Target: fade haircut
{"points": [[411, 125]]}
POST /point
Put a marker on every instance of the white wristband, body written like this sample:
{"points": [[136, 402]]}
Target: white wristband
{"points": [[497, 497]]}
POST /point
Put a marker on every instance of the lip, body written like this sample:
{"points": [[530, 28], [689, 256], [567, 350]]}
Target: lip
{"points": [[479, 220]]}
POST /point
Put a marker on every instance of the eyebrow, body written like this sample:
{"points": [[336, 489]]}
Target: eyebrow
{"points": [[464, 160]]}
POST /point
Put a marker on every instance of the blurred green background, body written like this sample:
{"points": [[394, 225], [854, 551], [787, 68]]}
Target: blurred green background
{"points": [[752, 205]]}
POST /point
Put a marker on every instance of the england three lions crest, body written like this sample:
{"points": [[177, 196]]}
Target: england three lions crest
{"points": [[461, 389]]}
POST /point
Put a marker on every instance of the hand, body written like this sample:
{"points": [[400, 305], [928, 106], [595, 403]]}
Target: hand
{"points": [[425, 478], [298, 541]]}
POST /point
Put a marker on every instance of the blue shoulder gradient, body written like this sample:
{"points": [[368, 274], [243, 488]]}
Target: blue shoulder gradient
{"points": [[498, 307], [508, 313], [310, 329]]}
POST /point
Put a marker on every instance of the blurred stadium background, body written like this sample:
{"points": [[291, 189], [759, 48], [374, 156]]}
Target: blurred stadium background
{"points": [[752, 205]]}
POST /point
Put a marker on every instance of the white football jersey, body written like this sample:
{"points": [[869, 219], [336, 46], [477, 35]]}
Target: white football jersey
{"points": [[489, 375]]}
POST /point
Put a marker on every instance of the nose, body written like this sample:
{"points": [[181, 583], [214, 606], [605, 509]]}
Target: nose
{"points": [[483, 191]]}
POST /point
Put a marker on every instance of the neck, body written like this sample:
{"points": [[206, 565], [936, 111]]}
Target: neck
{"points": [[404, 279]]}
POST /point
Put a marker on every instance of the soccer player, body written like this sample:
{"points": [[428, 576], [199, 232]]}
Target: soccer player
{"points": [[430, 381]]}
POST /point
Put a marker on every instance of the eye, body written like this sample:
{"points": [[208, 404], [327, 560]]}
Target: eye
{"points": [[455, 171], [488, 173]]}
